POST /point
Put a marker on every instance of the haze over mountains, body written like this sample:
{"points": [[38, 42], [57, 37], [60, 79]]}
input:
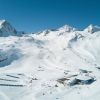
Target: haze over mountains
{"points": [[54, 64]]}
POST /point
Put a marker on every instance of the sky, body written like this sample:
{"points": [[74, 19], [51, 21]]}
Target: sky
{"points": [[37, 15]]}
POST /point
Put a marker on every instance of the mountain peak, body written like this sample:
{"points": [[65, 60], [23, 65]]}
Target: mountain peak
{"points": [[2, 22], [67, 28], [6, 29], [6, 25], [92, 28]]}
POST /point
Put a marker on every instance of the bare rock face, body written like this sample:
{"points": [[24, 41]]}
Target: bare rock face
{"points": [[82, 80]]}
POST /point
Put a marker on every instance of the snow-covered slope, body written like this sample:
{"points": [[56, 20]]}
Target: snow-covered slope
{"points": [[57, 64]]}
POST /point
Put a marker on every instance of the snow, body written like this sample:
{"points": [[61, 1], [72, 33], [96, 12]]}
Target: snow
{"points": [[67, 28], [1, 22], [91, 28], [43, 65], [6, 29]]}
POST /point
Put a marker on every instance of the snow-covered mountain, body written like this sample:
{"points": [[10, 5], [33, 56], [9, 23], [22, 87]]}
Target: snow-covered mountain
{"points": [[92, 29], [6, 29], [54, 64]]}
